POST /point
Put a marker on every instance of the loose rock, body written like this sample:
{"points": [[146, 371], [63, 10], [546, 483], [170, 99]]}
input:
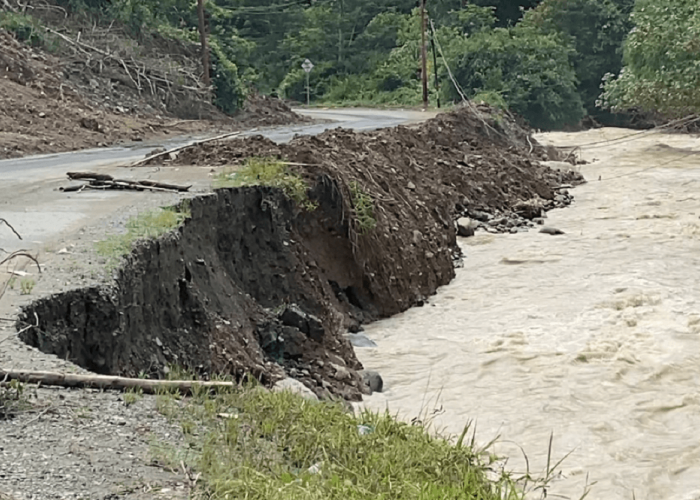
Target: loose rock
{"points": [[373, 380], [296, 387], [360, 340], [551, 230]]}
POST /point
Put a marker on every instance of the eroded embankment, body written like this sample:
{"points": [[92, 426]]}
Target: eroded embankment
{"points": [[252, 284]]}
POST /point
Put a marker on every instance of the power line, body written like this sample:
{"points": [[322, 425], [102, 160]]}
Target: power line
{"points": [[687, 120]]}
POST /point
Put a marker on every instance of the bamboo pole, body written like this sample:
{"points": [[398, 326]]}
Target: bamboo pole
{"points": [[109, 382]]}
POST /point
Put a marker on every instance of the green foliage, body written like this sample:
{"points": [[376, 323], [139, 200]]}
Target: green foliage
{"points": [[529, 69], [595, 29], [26, 285], [25, 28], [132, 395], [229, 94], [146, 225], [13, 400], [260, 445], [268, 172], [509, 12], [363, 205], [661, 60], [492, 98]]}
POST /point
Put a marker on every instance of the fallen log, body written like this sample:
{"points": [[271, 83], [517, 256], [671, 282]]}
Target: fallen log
{"points": [[163, 185], [110, 382], [104, 181], [76, 176]]}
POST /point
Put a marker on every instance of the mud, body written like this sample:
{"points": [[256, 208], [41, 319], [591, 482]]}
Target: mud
{"points": [[250, 284]]}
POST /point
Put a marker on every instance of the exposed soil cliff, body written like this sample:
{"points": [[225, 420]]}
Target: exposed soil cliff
{"points": [[253, 284]]}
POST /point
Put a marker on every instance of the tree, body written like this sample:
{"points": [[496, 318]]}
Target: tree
{"points": [[661, 60], [595, 29], [530, 70], [508, 12]]}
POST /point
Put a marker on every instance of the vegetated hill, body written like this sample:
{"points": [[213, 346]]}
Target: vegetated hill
{"points": [[66, 84]]}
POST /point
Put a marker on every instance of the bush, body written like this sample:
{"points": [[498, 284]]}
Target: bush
{"points": [[25, 28], [661, 61], [229, 92], [268, 172]]}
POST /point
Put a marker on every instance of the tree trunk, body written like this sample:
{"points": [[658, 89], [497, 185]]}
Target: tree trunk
{"points": [[203, 40]]}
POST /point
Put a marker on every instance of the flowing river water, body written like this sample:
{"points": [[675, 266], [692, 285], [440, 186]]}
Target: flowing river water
{"points": [[593, 336]]}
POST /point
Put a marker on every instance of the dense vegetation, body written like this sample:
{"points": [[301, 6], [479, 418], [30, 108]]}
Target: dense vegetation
{"points": [[544, 59]]}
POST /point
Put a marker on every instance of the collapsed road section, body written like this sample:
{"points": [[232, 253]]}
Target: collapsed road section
{"points": [[255, 283]]}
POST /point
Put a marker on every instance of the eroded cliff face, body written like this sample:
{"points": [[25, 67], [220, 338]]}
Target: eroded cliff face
{"points": [[252, 284]]}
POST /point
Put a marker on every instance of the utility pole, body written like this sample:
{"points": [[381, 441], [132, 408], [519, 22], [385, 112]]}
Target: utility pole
{"points": [[203, 41], [424, 55], [435, 67]]}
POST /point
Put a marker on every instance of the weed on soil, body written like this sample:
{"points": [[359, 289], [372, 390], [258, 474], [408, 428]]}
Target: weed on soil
{"points": [[12, 399], [146, 225], [268, 172]]}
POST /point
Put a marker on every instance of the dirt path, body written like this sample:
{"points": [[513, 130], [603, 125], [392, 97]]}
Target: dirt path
{"points": [[591, 335]]}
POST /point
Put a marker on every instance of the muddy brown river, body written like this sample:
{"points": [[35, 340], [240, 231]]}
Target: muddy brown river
{"points": [[593, 336]]}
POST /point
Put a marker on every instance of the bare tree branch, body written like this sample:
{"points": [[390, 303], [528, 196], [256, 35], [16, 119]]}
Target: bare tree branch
{"points": [[10, 226]]}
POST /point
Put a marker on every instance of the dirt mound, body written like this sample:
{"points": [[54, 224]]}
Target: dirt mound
{"points": [[40, 112], [253, 284], [75, 100], [264, 111]]}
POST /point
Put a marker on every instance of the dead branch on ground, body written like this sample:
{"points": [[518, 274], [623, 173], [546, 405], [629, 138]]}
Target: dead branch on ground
{"points": [[12, 228], [12, 256], [104, 181], [109, 382], [150, 76]]}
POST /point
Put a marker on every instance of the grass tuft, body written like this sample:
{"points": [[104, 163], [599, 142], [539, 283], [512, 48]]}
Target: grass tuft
{"points": [[13, 400], [268, 172], [146, 225], [364, 208], [132, 395], [26, 285]]}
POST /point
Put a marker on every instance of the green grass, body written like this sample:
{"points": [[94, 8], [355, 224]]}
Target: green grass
{"points": [[26, 285], [132, 395], [364, 208], [254, 444], [146, 225], [13, 400], [268, 172]]}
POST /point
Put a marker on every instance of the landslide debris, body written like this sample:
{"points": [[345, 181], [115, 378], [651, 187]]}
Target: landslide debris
{"points": [[70, 100], [252, 284]]}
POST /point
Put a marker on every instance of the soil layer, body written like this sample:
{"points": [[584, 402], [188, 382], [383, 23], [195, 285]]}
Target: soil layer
{"points": [[252, 284]]}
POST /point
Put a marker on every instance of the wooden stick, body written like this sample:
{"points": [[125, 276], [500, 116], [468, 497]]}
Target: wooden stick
{"points": [[21, 253], [12, 228], [109, 382], [179, 148]]}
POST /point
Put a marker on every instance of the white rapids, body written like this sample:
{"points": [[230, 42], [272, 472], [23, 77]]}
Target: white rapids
{"points": [[593, 336]]}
